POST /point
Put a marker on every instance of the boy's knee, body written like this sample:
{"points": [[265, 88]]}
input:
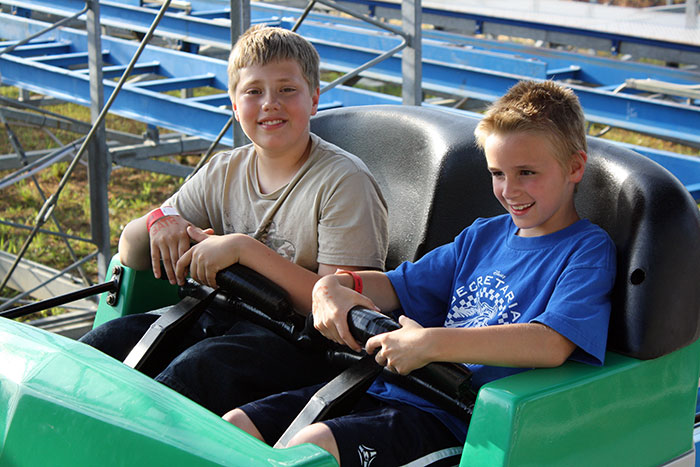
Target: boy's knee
{"points": [[239, 418], [236, 417], [320, 435]]}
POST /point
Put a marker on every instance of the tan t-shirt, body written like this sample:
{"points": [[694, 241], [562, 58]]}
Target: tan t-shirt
{"points": [[333, 211]]}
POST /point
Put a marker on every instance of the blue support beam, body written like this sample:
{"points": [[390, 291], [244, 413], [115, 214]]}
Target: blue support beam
{"points": [[140, 101], [452, 65]]}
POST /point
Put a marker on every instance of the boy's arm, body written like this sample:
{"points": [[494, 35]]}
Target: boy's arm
{"points": [[212, 253], [524, 345], [333, 297], [167, 240]]}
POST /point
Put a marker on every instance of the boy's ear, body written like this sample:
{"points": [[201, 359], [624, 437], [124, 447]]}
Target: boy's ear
{"points": [[578, 166], [314, 101], [234, 107]]}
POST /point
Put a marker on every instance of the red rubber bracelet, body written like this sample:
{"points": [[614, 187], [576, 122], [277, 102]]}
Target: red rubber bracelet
{"points": [[357, 280], [156, 214]]}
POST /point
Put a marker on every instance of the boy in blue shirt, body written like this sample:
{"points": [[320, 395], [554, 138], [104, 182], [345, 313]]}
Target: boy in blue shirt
{"points": [[526, 289]]}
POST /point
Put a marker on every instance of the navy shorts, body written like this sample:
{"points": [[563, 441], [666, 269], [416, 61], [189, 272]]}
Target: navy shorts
{"points": [[374, 433]]}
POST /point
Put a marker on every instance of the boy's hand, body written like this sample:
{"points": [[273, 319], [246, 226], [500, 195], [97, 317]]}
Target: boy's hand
{"points": [[401, 351], [169, 241], [211, 254], [331, 303]]}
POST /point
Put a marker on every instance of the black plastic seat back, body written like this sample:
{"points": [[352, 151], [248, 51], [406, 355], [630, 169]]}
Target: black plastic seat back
{"points": [[656, 228], [435, 181]]}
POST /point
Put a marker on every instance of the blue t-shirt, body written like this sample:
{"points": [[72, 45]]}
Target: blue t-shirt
{"points": [[488, 276]]}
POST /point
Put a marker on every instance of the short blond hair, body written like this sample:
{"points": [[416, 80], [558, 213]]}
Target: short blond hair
{"points": [[543, 107], [262, 44]]}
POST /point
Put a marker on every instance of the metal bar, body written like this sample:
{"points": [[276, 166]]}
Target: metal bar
{"points": [[356, 71], [44, 31], [169, 84], [45, 118], [118, 70], [47, 232], [99, 160], [240, 22], [18, 312], [27, 293], [29, 169], [691, 14], [412, 57], [304, 14], [34, 50]]}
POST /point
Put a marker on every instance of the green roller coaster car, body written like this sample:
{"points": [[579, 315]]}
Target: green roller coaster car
{"points": [[64, 403]]}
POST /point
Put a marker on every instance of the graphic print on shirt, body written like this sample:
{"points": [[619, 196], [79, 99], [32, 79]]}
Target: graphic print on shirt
{"points": [[484, 298], [276, 243]]}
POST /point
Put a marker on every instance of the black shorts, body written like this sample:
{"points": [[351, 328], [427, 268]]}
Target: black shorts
{"points": [[374, 433]]}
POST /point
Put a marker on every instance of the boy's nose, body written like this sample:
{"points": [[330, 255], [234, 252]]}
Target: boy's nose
{"points": [[271, 102], [510, 189]]}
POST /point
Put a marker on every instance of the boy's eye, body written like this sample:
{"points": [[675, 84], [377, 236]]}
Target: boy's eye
{"points": [[496, 174], [527, 172], [253, 91], [288, 89]]}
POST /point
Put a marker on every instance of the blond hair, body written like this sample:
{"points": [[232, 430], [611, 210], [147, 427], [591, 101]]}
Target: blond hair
{"points": [[542, 107], [261, 45]]}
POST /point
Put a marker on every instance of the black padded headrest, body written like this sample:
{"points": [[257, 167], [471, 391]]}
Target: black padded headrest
{"points": [[435, 181]]}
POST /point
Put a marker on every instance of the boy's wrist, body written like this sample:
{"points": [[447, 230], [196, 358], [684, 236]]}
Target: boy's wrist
{"points": [[357, 284], [335, 280], [158, 213]]}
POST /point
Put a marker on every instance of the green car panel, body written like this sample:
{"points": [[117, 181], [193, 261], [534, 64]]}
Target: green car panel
{"points": [[629, 412], [65, 403]]}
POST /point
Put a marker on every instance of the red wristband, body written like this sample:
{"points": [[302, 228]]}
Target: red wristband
{"points": [[156, 214], [357, 280]]}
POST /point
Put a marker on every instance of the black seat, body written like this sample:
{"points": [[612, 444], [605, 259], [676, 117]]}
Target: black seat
{"points": [[432, 176]]}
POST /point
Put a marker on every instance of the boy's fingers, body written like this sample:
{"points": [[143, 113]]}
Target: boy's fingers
{"points": [[211, 277], [155, 262], [182, 247], [371, 345], [405, 321], [181, 266], [348, 339], [197, 234]]}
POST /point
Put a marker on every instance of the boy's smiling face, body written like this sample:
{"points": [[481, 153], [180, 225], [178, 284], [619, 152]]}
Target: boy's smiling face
{"points": [[531, 184], [273, 104]]}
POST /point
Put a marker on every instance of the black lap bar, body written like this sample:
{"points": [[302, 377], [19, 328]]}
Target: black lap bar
{"points": [[446, 384], [255, 289], [253, 295]]}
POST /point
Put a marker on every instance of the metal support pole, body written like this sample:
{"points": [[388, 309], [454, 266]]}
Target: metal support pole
{"points": [[691, 14], [240, 22], [99, 160], [411, 58]]}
